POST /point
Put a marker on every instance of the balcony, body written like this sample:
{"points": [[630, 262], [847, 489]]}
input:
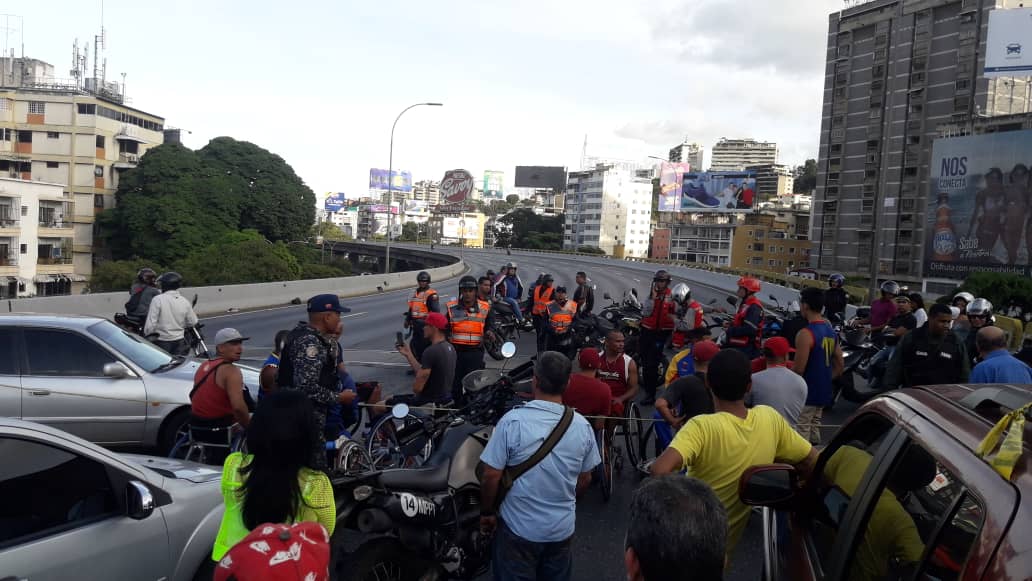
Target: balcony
{"points": [[127, 161]]}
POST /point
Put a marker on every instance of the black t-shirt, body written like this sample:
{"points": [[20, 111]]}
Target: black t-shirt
{"points": [[907, 321], [690, 394], [439, 358]]}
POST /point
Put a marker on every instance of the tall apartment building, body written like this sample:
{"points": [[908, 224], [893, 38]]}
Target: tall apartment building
{"points": [[737, 154], [773, 180], [896, 69], [609, 208], [702, 238], [80, 134], [772, 240], [690, 153]]}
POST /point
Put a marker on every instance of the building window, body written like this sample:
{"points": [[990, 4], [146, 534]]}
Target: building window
{"points": [[100, 142], [98, 200], [24, 211], [24, 137], [52, 165], [24, 248], [37, 108], [5, 134], [53, 135], [87, 109]]}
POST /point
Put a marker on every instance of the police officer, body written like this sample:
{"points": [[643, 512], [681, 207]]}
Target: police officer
{"points": [[930, 354], [659, 316], [542, 295], [690, 323], [745, 330], [560, 318], [835, 297], [424, 300], [308, 363], [979, 314], [468, 320]]}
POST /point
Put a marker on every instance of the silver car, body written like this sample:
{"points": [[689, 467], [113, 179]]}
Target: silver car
{"points": [[89, 377], [73, 510]]}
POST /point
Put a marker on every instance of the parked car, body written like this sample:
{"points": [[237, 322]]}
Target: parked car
{"points": [[900, 493], [73, 510], [89, 377]]}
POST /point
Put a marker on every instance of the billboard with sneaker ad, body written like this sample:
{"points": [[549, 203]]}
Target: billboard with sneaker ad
{"points": [[978, 205], [724, 191]]}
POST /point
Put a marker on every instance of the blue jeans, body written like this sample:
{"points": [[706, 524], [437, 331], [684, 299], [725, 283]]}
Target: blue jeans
{"points": [[515, 307], [877, 367], [517, 559]]}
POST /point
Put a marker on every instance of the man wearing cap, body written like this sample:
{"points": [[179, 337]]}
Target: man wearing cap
{"points": [[218, 398], [560, 314], [778, 386], [585, 392], [684, 362], [435, 372], [685, 396], [309, 363]]}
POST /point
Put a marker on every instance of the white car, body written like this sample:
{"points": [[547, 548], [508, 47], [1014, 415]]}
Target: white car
{"points": [[89, 377]]}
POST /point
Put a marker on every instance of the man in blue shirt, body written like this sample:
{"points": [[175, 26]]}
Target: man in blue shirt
{"points": [[533, 537], [998, 365]]}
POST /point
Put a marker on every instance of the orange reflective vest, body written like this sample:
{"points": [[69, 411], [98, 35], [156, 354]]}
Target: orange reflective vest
{"points": [[467, 327], [417, 304], [561, 316], [541, 299]]}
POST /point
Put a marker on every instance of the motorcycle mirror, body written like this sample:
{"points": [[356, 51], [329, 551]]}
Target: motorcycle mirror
{"points": [[634, 291], [508, 349], [606, 296], [400, 411], [732, 301]]}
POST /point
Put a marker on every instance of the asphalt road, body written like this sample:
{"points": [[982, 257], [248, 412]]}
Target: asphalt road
{"points": [[368, 342]]}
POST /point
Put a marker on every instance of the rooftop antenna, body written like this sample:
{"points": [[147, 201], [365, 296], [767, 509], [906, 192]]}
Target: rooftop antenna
{"points": [[99, 43], [584, 152]]}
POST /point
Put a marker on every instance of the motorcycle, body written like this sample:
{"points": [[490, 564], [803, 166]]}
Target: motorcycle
{"points": [[193, 334], [505, 328], [426, 520]]}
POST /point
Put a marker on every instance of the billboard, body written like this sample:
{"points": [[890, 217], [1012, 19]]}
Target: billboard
{"points": [[334, 202], [456, 186], [718, 191], [381, 209], [539, 176], [977, 205], [451, 228], [1008, 47], [670, 175], [402, 180], [415, 206], [494, 186]]}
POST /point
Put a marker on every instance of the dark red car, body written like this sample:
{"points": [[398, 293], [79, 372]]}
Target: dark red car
{"points": [[900, 493]]}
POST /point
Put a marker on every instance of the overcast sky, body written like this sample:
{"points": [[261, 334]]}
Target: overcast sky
{"points": [[320, 82]]}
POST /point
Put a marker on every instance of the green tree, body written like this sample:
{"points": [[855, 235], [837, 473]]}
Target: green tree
{"points": [[409, 231], [807, 180], [310, 271], [118, 275], [239, 258], [532, 231], [329, 231], [999, 288], [590, 250]]}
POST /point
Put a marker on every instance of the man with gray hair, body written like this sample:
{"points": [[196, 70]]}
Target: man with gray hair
{"points": [[677, 530], [549, 451], [997, 365]]}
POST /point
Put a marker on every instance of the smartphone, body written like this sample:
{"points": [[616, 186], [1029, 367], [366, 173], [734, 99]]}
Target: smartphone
{"points": [[398, 340]]}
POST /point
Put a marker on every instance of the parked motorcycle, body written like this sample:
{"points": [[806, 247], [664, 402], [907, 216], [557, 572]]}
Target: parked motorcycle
{"points": [[193, 335], [505, 328]]}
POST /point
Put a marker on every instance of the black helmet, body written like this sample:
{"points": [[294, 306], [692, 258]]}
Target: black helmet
{"points": [[510, 264], [146, 275], [890, 286], [547, 278], [170, 281], [467, 282], [661, 275], [423, 276], [836, 280]]}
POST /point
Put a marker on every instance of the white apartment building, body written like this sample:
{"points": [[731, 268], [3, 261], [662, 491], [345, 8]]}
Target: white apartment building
{"points": [[738, 154], [346, 219], [36, 239], [691, 153], [608, 208], [702, 238]]}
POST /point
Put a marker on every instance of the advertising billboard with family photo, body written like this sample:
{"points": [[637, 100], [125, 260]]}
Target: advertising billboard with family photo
{"points": [[978, 217], [728, 191], [670, 176]]}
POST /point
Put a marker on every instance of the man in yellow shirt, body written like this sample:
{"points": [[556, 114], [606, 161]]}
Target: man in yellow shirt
{"points": [[717, 448]]}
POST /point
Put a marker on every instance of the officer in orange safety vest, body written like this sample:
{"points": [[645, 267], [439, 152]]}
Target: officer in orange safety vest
{"points": [[468, 318], [542, 296], [745, 331], [560, 318], [422, 302]]}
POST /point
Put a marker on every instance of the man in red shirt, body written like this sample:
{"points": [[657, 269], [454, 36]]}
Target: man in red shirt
{"points": [[585, 393]]}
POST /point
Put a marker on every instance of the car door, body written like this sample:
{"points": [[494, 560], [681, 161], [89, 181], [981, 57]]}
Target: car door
{"points": [[64, 517], [10, 380], [64, 386]]}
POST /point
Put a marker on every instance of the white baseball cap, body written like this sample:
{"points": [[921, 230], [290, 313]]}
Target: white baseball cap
{"points": [[228, 335]]}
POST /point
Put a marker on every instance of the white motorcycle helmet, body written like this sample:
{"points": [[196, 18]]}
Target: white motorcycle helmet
{"points": [[681, 292]]}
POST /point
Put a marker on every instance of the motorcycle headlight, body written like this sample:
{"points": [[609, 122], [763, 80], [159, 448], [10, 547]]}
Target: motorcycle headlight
{"points": [[362, 492]]}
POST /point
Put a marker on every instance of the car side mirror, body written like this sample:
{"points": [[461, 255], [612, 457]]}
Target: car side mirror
{"points": [[116, 370], [606, 296], [770, 485], [139, 502]]}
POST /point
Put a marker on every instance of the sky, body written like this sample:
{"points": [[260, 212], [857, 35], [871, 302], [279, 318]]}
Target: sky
{"points": [[523, 83]]}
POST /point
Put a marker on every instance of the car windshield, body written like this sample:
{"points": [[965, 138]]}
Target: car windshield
{"points": [[139, 351]]}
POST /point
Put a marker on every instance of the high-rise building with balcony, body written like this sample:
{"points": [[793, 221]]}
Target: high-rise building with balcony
{"points": [[738, 154], [609, 208], [895, 71], [79, 133], [690, 153]]}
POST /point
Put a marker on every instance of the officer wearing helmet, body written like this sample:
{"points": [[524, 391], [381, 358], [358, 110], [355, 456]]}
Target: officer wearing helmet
{"points": [[169, 315], [658, 319], [141, 294], [961, 325], [745, 331], [468, 320], [424, 300], [835, 297], [690, 325], [540, 297], [979, 315]]}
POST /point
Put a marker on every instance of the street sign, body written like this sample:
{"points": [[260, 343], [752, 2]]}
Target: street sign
{"points": [[456, 186]]}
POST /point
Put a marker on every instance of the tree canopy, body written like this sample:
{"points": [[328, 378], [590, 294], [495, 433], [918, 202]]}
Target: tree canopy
{"points": [[806, 181], [530, 230]]}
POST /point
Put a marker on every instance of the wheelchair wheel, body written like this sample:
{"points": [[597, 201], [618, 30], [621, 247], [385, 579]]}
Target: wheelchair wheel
{"points": [[649, 450], [605, 470], [632, 430]]}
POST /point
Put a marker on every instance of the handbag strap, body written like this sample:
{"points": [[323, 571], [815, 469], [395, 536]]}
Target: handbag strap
{"points": [[546, 447]]}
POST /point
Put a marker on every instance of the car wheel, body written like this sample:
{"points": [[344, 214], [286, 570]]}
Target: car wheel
{"points": [[171, 430]]}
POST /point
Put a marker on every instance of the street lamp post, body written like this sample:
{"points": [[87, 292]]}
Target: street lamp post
{"points": [[390, 182]]}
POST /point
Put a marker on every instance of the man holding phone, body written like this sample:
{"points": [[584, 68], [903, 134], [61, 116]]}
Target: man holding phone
{"points": [[434, 372]]}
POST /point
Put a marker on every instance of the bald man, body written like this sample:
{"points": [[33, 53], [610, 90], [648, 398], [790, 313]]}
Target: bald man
{"points": [[998, 365]]}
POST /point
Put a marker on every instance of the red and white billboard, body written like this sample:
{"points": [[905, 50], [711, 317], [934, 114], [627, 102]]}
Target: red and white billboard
{"points": [[457, 186]]}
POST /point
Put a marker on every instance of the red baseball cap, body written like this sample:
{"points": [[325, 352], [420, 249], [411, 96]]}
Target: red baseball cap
{"points": [[277, 552], [705, 350], [589, 359], [437, 320], [778, 346]]}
